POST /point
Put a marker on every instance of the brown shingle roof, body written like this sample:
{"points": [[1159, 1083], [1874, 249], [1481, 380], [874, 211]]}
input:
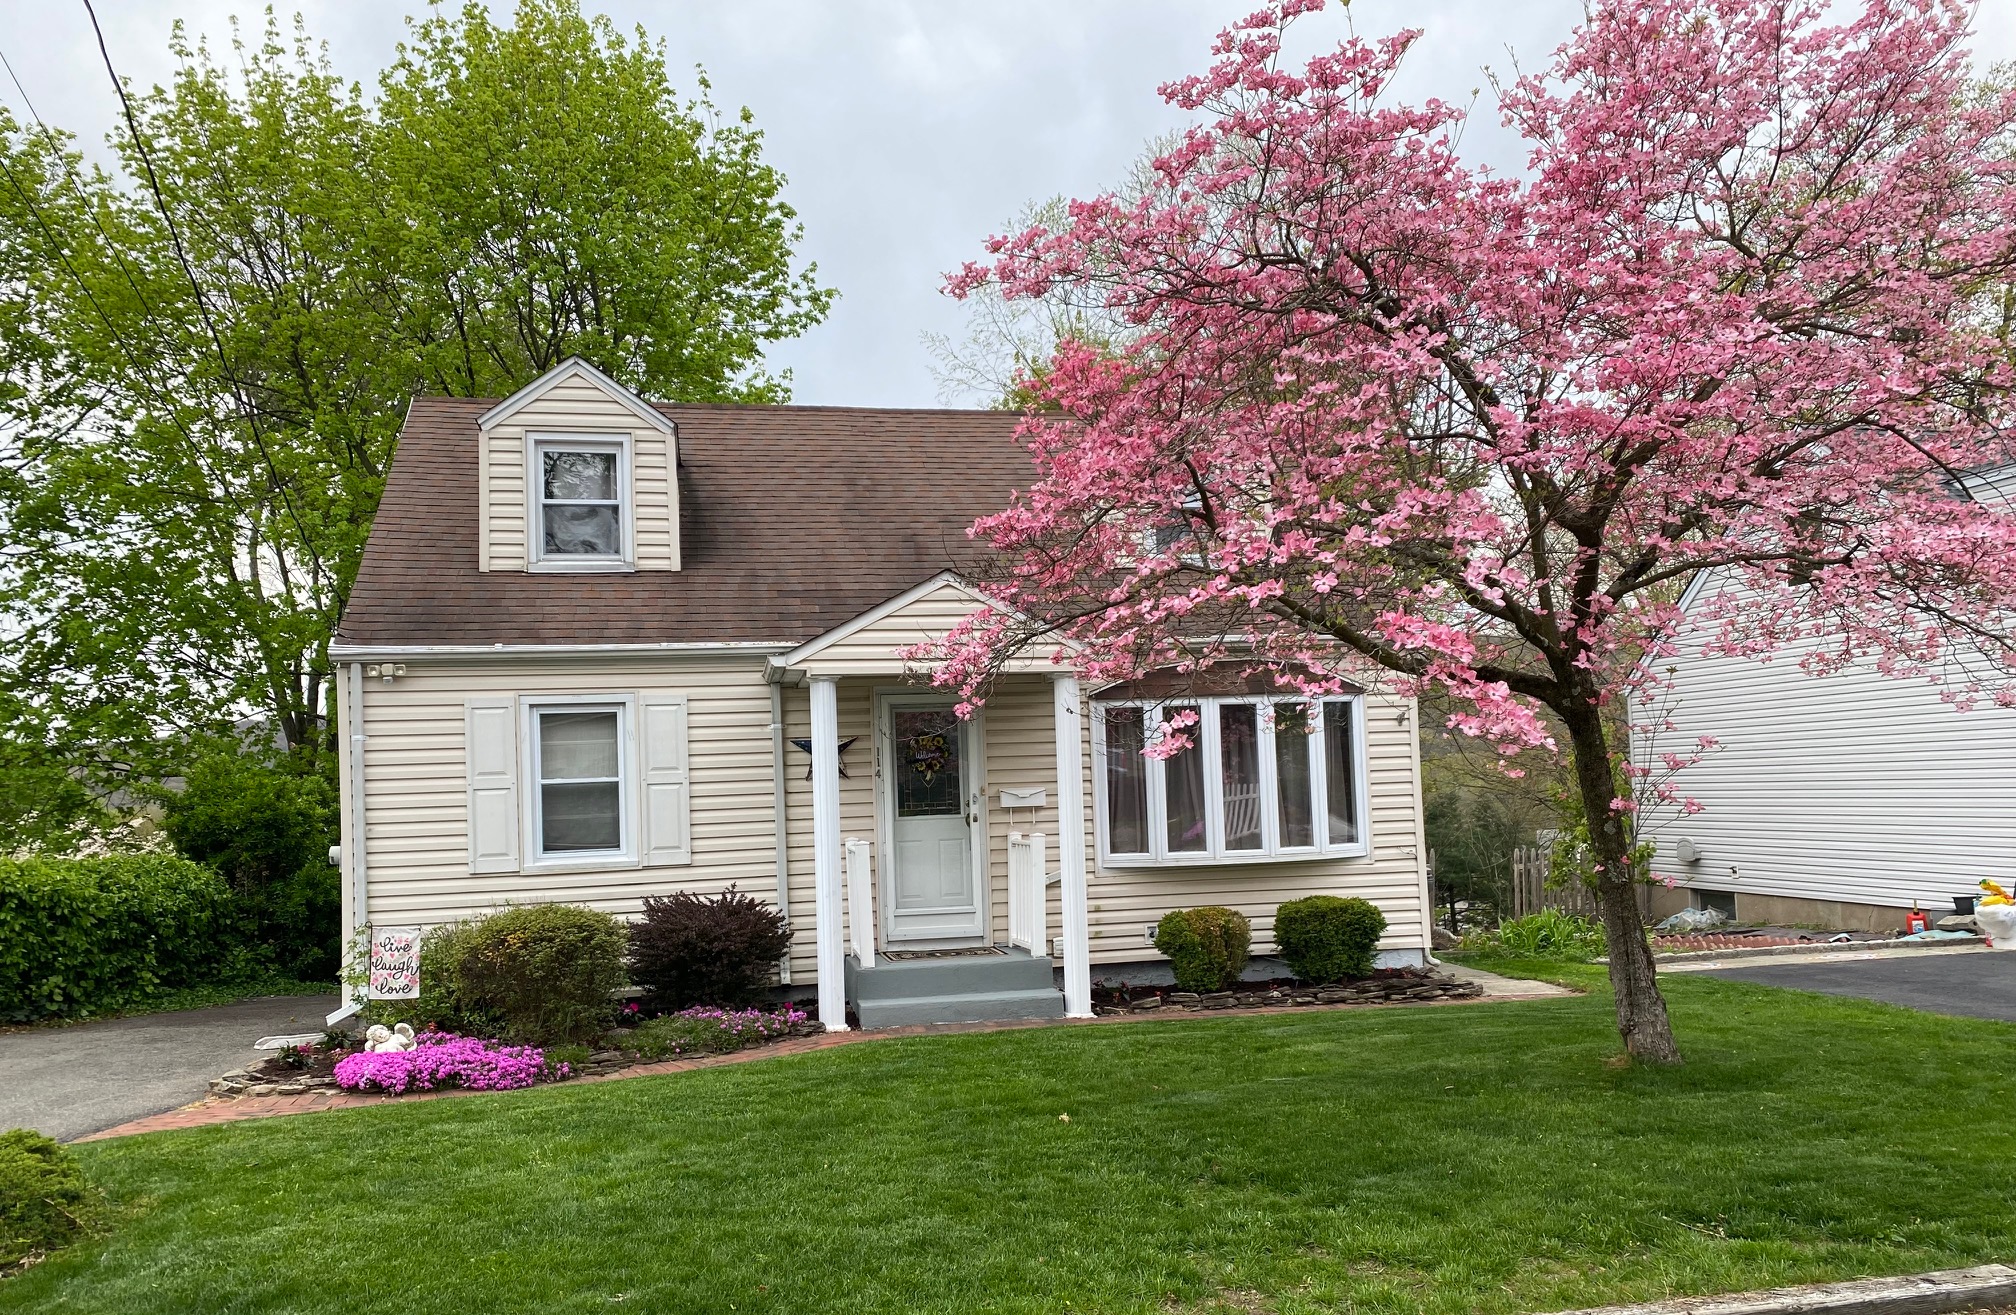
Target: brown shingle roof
{"points": [[793, 519]]}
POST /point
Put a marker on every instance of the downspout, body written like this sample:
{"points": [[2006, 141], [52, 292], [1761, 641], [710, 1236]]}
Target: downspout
{"points": [[353, 852], [777, 815]]}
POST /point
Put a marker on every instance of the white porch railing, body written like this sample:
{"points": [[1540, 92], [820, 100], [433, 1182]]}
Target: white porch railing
{"points": [[860, 902], [1028, 906]]}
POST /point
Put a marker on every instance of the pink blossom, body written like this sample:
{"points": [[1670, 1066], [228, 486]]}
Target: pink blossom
{"points": [[442, 1059], [1435, 427]]}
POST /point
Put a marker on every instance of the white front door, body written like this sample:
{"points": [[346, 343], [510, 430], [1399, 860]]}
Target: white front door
{"points": [[931, 798]]}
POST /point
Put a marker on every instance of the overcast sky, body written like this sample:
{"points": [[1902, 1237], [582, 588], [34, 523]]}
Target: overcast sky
{"points": [[909, 129]]}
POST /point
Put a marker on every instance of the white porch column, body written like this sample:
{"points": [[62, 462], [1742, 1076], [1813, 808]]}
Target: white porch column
{"points": [[1071, 848], [826, 874]]}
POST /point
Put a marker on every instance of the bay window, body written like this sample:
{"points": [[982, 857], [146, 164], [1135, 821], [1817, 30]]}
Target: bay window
{"points": [[1262, 777]]}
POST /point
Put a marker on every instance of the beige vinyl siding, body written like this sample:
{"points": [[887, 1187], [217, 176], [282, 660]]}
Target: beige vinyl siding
{"points": [[416, 810], [576, 406], [874, 648], [1127, 902], [1854, 787], [416, 805], [1018, 727]]}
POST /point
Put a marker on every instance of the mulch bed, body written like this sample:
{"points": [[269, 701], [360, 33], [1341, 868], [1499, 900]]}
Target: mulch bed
{"points": [[1386, 986], [276, 1076]]}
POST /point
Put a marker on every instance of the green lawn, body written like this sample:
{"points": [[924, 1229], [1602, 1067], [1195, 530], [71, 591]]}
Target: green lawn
{"points": [[1464, 1158]]}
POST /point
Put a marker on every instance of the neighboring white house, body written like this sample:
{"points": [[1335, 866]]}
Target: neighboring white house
{"points": [[1839, 800], [668, 659]]}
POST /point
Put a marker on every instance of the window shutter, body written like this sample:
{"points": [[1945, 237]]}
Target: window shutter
{"points": [[492, 751], [667, 803]]}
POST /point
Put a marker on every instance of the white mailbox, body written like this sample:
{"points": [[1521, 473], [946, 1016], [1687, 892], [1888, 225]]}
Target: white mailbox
{"points": [[1024, 798]]}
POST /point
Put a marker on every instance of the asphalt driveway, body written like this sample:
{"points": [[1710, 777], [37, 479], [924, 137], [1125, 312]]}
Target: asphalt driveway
{"points": [[69, 1081], [1975, 984]]}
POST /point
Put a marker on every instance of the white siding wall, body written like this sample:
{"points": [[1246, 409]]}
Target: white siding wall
{"points": [[1018, 726], [872, 650], [416, 809], [1854, 787], [416, 805], [576, 406]]}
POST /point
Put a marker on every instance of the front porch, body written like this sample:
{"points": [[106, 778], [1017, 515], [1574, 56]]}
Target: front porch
{"points": [[948, 857]]}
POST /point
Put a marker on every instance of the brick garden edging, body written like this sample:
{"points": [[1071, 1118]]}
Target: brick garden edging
{"points": [[236, 1109]]}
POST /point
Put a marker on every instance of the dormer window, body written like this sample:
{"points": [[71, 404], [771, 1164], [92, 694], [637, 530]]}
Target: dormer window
{"points": [[582, 520]]}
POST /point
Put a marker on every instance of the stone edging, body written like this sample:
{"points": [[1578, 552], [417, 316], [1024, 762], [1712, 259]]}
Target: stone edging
{"points": [[234, 1109], [1424, 986], [1910, 1294]]}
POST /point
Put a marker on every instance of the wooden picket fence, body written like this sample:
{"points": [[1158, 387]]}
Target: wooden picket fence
{"points": [[1530, 892]]}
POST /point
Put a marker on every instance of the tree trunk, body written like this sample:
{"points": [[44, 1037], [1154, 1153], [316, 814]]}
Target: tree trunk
{"points": [[1641, 1009]]}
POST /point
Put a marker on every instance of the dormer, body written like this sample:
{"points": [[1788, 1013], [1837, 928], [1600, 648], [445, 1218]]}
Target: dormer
{"points": [[578, 475]]}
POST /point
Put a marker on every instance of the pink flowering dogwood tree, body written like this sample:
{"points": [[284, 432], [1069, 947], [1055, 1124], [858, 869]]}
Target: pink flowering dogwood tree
{"points": [[1373, 409]]}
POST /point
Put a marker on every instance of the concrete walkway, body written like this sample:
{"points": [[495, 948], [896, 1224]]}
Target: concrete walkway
{"points": [[66, 1082], [1503, 988]]}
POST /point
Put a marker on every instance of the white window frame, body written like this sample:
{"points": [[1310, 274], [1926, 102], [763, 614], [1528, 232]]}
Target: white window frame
{"points": [[536, 557], [1206, 736], [625, 855]]}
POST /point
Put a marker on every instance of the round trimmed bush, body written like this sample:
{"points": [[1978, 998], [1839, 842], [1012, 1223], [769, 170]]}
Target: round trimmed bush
{"points": [[1327, 939], [1207, 947], [45, 1202], [547, 970]]}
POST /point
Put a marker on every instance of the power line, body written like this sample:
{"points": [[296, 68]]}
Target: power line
{"points": [[57, 247], [245, 406]]}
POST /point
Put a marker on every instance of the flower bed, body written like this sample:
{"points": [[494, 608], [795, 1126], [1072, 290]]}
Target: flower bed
{"points": [[442, 1059], [702, 1030], [1386, 986]]}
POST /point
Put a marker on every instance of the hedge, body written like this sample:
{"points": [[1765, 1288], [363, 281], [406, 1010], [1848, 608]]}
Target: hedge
{"points": [[95, 935]]}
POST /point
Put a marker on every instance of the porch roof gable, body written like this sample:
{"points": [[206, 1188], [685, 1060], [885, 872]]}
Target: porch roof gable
{"points": [[869, 644]]}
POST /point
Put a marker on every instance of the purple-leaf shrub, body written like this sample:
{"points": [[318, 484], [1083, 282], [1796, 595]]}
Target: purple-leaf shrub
{"points": [[442, 1059]]}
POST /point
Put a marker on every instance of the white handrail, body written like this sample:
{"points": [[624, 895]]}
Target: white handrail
{"points": [[1027, 900], [860, 903]]}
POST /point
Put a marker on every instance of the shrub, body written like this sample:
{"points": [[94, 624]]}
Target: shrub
{"points": [[443, 1060], [45, 1201], [1207, 947], [546, 970], [265, 825], [1548, 934], [94, 935], [690, 950], [1326, 939], [441, 1005], [707, 1031]]}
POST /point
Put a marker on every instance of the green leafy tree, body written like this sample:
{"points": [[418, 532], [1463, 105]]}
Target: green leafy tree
{"points": [[205, 353]]}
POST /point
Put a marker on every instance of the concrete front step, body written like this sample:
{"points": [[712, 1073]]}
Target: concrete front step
{"points": [[970, 1007], [891, 979], [961, 989]]}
